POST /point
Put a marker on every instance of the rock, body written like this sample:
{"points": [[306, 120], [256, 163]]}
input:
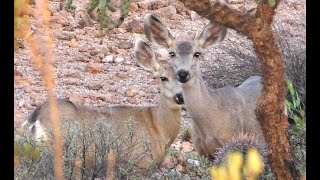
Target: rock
{"points": [[156, 4], [193, 162], [166, 12], [94, 68], [180, 168], [164, 54], [108, 59], [29, 79], [93, 52], [85, 21], [94, 86], [125, 45], [76, 99], [186, 147], [194, 16], [105, 50], [176, 145], [169, 162], [96, 96], [100, 55], [143, 5], [110, 98], [17, 73], [81, 58], [65, 36], [83, 49], [119, 60], [113, 49], [21, 103], [72, 81], [134, 7], [120, 75], [181, 159], [133, 101], [132, 91], [121, 51], [142, 93], [73, 43], [134, 26], [121, 90], [181, 9], [72, 75], [176, 17], [27, 89], [235, 1], [99, 34]]}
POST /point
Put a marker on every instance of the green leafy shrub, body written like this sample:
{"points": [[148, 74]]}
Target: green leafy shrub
{"points": [[297, 131]]}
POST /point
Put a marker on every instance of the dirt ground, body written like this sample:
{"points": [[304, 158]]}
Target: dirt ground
{"points": [[102, 71]]}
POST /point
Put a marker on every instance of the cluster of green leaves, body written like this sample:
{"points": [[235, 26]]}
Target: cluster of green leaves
{"points": [[296, 111], [295, 107], [103, 18]]}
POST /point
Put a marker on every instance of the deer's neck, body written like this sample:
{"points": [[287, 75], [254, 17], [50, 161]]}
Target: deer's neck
{"points": [[168, 116], [201, 102]]}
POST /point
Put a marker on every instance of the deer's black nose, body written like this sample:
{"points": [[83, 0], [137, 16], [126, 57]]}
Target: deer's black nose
{"points": [[183, 75], [179, 99]]}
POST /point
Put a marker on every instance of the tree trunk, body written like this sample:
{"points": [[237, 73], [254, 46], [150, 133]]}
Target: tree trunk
{"points": [[271, 103]]}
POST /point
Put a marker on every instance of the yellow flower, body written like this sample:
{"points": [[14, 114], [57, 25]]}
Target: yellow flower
{"points": [[219, 173], [234, 163], [255, 163]]}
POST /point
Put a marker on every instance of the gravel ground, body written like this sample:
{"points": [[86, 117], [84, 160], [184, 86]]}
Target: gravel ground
{"points": [[102, 71]]}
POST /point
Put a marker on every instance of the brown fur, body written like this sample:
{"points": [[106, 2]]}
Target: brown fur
{"points": [[217, 114], [161, 123]]}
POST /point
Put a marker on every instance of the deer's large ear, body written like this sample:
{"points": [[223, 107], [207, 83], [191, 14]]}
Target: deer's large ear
{"points": [[146, 56], [156, 32], [212, 34]]}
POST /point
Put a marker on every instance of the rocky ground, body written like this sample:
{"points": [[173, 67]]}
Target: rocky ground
{"points": [[99, 71]]}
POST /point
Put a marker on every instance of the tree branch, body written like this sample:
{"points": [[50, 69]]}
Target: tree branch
{"points": [[271, 103]]}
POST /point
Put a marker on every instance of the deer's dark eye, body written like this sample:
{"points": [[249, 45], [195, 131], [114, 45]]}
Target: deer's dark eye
{"points": [[172, 54], [197, 54], [164, 79]]}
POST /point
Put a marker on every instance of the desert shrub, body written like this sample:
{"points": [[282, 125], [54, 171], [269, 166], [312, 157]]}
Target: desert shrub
{"points": [[297, 130], [186, 134], [85, 152]]}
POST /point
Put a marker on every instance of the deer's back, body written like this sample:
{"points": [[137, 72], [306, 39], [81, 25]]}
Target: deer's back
{"points": [[143, 117], [240, 103]]}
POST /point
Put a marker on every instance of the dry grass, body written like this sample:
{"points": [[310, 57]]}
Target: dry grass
{"points": [[41, 46]]}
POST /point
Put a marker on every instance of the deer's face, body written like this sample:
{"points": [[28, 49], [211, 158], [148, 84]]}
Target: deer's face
{"points": [[185, 54], [169, 84], [185, 60]]}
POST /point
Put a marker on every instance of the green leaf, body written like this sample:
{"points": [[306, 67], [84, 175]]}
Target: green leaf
{"points": [[302, 113], [290, 87], [294, 105], [288, 104], [272, 2]]}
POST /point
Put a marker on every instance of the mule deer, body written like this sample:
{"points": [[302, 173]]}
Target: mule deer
{"points": [[160, 123], [217, 114]]}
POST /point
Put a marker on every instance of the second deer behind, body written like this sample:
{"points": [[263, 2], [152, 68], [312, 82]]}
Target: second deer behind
{"points": [[159, 123]]}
